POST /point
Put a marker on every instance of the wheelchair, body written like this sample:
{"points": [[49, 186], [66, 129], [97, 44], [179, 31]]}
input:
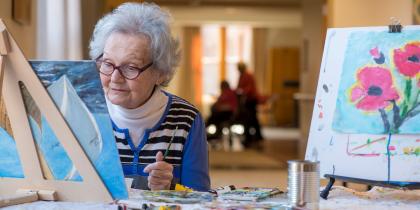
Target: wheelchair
{"points": [[225, 130]]}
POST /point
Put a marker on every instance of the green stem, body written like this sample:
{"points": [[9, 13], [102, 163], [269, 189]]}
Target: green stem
{"points": [[413, 111], [396, 117], [406, 102], [384, 120], [408, 87]]}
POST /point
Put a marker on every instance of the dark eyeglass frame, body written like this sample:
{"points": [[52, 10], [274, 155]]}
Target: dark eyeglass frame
{"points": [[99, 61]]}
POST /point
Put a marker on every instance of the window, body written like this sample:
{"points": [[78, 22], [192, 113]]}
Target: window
{"points": [[238, 44], [238, 48]]}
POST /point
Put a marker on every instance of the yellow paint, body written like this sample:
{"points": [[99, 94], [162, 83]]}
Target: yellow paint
{"points": [[411, 150], [180, 187], [407, 150]]}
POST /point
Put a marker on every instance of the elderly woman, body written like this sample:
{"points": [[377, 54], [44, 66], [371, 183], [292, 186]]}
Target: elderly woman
{"points": [[160, 137]]}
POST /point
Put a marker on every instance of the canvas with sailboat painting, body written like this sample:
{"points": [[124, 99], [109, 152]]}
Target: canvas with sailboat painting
{"points": [[75, 88]]}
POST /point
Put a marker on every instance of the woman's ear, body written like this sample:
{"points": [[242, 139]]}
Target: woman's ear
{"points": [[161, 78]]}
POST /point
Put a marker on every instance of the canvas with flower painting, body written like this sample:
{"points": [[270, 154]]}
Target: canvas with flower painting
{"points": [[366, 118], [380, 84]]}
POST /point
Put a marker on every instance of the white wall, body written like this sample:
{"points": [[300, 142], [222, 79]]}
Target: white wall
{"points": [[261, 17], [284, 37]]}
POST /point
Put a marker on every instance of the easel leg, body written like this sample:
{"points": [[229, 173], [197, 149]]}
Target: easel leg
{"points": [[4, 50], [326, 191], [2, 64]]}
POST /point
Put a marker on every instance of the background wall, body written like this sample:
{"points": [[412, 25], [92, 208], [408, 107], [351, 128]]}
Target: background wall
{"points": [[24, 34], [311, 48], [352, 13], [92, 11], [274, 17], [278, 37]]}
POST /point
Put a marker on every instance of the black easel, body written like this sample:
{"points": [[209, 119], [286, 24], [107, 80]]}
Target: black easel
{"points": [[398, 185]]}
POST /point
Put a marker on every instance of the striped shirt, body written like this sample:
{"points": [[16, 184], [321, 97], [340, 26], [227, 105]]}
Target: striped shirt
{"points": [[182, 122]]}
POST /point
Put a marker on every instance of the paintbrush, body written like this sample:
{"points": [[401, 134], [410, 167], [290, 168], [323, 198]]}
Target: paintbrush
{"points": [[170, 143]]}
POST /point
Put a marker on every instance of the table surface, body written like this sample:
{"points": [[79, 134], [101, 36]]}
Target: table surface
{"points": [[339, 198]]}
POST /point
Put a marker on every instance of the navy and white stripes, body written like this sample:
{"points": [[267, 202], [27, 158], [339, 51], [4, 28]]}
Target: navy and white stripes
{"points": [[177, 123]]}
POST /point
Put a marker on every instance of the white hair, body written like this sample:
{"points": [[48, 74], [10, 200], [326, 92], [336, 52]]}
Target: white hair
{"points": [[141, 18]]}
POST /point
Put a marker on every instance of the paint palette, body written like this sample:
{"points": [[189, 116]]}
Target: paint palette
{"points": [[247, 206], [249, 194], [171, 196]]}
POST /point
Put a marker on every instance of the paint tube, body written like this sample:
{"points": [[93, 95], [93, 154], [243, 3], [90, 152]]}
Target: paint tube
{"points": [[223, 189]]}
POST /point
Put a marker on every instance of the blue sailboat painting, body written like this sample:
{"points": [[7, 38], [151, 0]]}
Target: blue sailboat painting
{"points": [[76, 90]]}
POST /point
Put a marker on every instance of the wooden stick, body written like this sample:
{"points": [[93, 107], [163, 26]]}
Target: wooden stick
{"points": [[47, 195], [18, 198], [4, 49], [2, 64], [4, 42]]}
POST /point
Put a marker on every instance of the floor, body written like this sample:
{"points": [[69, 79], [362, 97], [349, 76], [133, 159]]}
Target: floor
{"points": [[266, 167]]}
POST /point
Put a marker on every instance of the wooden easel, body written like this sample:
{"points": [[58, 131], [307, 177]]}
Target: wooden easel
{"points": [[14, 68]]}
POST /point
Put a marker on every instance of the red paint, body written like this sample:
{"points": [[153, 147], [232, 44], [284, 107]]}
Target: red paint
{"points": [[391, 147], [360, 154], [321, 115], [375, 52], [372, 142]]}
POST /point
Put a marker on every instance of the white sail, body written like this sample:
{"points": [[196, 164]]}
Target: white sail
{"points": [[78, 117]]}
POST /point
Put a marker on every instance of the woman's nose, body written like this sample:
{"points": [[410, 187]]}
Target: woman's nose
{"points": [[116, 76]]}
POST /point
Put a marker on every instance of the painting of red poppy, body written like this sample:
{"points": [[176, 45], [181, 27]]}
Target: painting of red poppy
{"points": [[379, 91], [366, 116]]}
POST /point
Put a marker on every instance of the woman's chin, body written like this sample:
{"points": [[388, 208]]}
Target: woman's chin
{"points": [[117, 100]]}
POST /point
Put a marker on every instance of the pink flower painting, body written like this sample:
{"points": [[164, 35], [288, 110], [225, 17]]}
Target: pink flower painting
{"points": [[407, 59], [395, 96], [374, 89]]}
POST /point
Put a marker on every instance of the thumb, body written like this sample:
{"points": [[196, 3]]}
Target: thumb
{"points": [[159, 156]]}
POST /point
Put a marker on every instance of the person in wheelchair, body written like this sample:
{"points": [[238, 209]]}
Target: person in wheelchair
{"points": [[222, 111]]}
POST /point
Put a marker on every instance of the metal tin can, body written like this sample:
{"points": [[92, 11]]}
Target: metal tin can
{"points": [[303, 184]]}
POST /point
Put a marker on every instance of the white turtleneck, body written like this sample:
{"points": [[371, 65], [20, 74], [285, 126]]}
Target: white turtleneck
{"points": [[139, 119]]}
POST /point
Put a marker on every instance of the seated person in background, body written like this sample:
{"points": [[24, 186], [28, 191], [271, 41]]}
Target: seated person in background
{"points": [[136, 55], [225, 107]]}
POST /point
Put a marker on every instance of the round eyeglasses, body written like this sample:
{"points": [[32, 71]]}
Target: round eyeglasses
{"points": [[127, 71]]}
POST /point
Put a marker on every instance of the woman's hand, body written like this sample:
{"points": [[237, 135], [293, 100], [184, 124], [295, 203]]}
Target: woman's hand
{"points": [[160, 174]]}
